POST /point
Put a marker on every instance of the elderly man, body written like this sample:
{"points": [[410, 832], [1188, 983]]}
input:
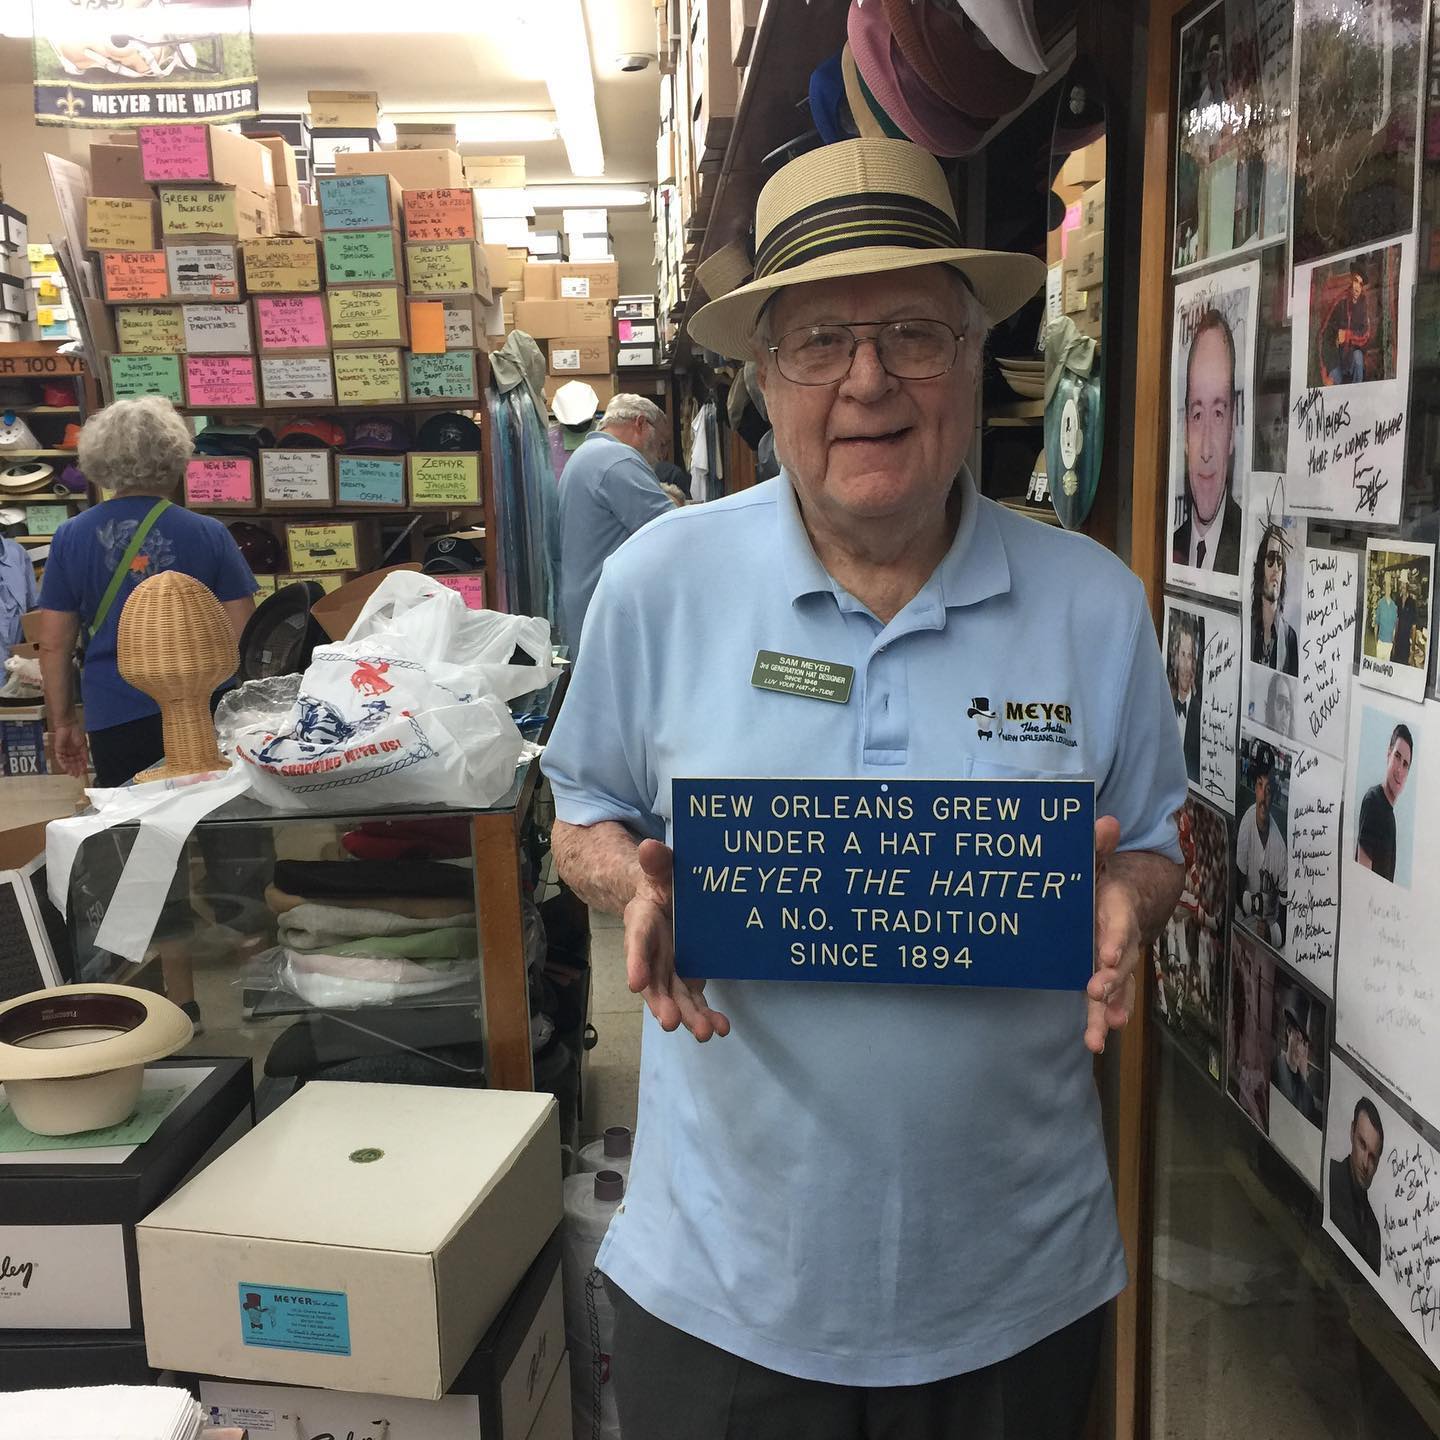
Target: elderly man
{"points": [[609, 490], [864, 1210]]}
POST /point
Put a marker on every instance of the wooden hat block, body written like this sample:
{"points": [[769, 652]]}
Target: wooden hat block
{"points": [[176, 644]]}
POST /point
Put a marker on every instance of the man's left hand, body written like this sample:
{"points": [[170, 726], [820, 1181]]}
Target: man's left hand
{"points": [[1111, 991]]}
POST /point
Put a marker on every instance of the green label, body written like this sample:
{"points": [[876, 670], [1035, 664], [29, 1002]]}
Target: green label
{"points": [[354, 256], [450, 376], [45, 519], [797, 675], [135, 375]]}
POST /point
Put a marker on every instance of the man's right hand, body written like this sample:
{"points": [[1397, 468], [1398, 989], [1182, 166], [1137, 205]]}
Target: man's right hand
{"points": [[70, 750], [650, 950]]}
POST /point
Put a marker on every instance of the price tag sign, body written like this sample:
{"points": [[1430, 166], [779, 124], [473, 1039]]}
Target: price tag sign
{"points": [[136, 276], [149, 329], [441, 268], [368, 377], [371, 480], [297, 380], [135, 375], [220, 481], [315, 548], [45, 519], [116, 223], [222, 382], [198, 211], [295, 477], [439, 215], [355, 202], [470, 588], [367, 315], [282, 265], [217, 329], [444, 479], [447, 376], [291, 322], [203, 272], [888, 882], [174, 152], [365, 258]]}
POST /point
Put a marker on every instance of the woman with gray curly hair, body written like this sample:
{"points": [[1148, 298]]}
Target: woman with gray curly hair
{"points": [[138, 449]]}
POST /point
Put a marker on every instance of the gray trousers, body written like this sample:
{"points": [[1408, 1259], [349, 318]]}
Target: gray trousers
{"points": [[669, 1385]]}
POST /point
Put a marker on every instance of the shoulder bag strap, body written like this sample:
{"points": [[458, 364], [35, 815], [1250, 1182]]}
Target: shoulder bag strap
{"points": [[107, 601]]}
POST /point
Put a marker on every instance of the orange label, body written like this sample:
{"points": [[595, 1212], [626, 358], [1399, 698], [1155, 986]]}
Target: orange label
{"points": [[427, 327], [439, 215], [136, 275]]}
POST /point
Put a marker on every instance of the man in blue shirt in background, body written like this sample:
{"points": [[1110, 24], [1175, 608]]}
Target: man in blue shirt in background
{"points": [[608, 491]]}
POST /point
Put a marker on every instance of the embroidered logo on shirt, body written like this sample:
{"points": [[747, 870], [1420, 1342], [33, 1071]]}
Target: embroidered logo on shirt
{"points": [[1019, 722]]}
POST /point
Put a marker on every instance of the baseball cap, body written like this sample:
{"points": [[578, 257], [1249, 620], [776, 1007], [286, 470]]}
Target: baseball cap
{"points": [[377, 436], [233, 440], [311, 433], [448, 431], [459, 553], [259, 547]]}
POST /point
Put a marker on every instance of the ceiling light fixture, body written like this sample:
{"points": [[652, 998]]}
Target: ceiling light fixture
{"points": [[558, 26], [585, 197], [503, 128]]}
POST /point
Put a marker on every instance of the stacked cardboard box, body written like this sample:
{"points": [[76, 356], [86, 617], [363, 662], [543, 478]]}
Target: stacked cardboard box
{"points": [[1077, 247], [19, 302], [54, 307]]}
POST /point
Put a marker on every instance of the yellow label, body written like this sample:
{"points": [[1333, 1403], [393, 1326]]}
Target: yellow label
{"points": [[149, 329], [197, 211], [115, 223], [447, 479], [441, 268], [49, 291], [43, 260], [367, 315], [44, 315], [316, 548], [282, 265], [368, 377]]}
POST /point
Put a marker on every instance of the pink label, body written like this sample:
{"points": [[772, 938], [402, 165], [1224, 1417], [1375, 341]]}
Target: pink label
{"points": [[624, 329], [174, 152], [219, 480], [221, 381], [470, 588], [292, 322], [1068, 226]]}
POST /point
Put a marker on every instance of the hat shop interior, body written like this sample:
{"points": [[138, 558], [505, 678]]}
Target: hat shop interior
{"points": [[336, 339]]}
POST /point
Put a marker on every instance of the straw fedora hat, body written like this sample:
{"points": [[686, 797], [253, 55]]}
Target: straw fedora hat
{"points": [[861, 207], [72, 1058]]}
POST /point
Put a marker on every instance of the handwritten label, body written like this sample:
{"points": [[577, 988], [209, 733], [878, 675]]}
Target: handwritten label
{"points": [[45, 519], [149, 329], [356, 202], [1316, 784], [460, 326], [368, 377], [136, 276], [1220, 708], [371, 480], [219, 480], [211, 210], [295, 477], [1328, 649], [291, 322], [441, 268], [282, 264], [217, 329], [439, 215], [174, 152], [892, 882], [470, 588], [367, 315], [134, 375], [220, 381], [448, 376], [116, 223], [366, 257], [294, 380], [203, 272], [321, 547], [447, 479]]}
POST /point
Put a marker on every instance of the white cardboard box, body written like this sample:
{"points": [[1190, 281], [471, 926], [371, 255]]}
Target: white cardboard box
{"points": [[362, 1237]]}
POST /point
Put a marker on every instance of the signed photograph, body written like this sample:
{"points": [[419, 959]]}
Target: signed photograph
{"points": [[1250, 1032], [1355, 318], [1383, 799], [1395, 643], [1262, 854], [1270, 434]]}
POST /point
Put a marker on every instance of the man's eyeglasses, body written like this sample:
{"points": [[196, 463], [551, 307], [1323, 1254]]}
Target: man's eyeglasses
{"points": [[906, 349]]}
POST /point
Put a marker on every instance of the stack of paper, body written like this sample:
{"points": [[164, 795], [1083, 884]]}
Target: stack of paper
{"points": [[100, 1412]]}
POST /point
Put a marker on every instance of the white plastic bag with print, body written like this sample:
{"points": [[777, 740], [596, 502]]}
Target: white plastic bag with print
{"points": [[409, 709]]}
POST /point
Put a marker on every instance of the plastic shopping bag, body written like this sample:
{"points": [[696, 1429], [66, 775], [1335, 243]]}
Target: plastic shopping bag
{"points": [[408, 709]]}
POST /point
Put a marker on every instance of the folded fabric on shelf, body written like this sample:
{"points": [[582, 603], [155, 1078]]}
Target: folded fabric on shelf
{"points": [[332, 982], [459, 943], [317, 926], [437, 837], [416, 907], [324, 879]]}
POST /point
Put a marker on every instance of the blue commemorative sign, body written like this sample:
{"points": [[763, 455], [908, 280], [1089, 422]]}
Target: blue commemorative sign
{"points": [[925, 882]]}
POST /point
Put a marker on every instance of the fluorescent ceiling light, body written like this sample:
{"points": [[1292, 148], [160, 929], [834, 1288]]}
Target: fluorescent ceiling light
{"points": [[559, 33], [502, 128], [310, 17], [587, 197]]}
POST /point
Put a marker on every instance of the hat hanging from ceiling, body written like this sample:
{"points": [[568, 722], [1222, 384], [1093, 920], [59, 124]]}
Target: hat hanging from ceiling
{"points": [[932, 123], [862, 207], [1009, 25], [954, 62], [827, 103], [575, 403], [870, 117], [309, 432], [378, 437], [25, 477], [73, 1058], [448, 431]]}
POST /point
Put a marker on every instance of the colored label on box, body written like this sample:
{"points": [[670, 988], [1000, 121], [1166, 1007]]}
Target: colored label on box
{"points": [[574, 287], [427, 327], [296, 379], [439, 215], [321, 547], [134, 375], [217, 329], [272, 1318], [470, 588], [136, 276], [202, 211], [282, 264], [45, 519], [174, 152], [203, 272], [364, 257], [447, 376], [368, 315], [295, 477], [370, 480], [149, 329], [219, 480], [368, 377], [459, 325], [220, 381], [115, 223], [291, 322], [355, 202], [452, 479], [441, 268]]}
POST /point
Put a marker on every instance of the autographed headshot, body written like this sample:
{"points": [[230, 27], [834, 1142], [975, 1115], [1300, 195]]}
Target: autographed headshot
{"points": [[1384, 826], [1350, 1178], [1184, 646]]}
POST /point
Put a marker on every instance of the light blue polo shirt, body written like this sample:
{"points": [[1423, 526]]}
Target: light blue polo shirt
{"points": [[606, 494], [862, 1184]]}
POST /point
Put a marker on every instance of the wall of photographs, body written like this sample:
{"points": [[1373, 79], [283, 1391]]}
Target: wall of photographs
{"points": [[1300, 969]]}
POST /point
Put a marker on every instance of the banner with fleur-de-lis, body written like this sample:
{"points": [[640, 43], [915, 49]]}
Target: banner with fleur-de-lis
{"points": [[117, 63]]}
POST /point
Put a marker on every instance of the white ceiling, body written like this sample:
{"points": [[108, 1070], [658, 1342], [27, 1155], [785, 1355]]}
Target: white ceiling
{"points": [[498, 64]]}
